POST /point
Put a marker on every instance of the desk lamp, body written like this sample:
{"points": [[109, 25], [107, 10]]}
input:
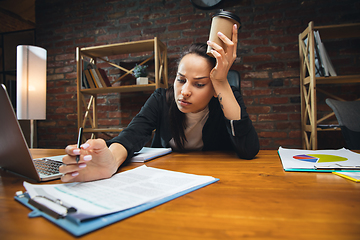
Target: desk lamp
{"points": [[31, 85]]}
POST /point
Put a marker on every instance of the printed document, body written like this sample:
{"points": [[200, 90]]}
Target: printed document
{"points": [[122, 191], [297, 159]]}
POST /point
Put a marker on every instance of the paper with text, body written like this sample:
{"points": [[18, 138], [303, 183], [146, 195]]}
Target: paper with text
{"points": [[122, 191]]}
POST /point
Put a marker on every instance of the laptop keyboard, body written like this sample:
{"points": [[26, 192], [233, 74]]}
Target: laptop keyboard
{"points": [[47, 166]]}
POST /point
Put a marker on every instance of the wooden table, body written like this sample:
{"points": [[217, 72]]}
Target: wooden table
{"points": [[254, 199]]}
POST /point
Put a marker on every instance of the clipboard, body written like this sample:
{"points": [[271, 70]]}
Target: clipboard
{"points": [[79, 228]]}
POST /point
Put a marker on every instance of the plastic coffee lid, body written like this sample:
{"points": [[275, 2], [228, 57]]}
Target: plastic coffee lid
{"points": [[227, 14]]}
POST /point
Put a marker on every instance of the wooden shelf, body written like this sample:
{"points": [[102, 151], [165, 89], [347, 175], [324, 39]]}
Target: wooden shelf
{"points": [[120, 48], [335, 80], [121, 89], [308, 85], [157, 51], [351, 30], [99, 130]]}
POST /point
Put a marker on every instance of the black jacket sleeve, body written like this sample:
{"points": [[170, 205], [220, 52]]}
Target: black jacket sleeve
{"points": [[219, 133], [139, 131]]}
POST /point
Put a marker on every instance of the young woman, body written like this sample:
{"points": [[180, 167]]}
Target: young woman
{"points": [[200, 112]]}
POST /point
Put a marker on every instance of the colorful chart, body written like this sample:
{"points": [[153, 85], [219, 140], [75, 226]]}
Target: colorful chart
{"points": [[319, 158]]}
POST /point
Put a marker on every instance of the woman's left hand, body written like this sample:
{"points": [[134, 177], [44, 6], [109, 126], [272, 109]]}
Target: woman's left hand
{"points": [[218, 75], [224, 60]]}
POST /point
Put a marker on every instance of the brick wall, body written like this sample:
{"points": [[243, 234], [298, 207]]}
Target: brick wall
{"points": [[268, 58]]}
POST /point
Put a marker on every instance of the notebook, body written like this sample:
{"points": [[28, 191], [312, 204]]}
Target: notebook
{"points": [[15, 156]]}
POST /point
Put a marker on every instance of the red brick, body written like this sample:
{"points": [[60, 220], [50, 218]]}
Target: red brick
{"points": [[84, 40], [246, 84], [288, 142], [258, 109], [257, 58], [294, 116], [253, 42], [252, 75], [154, 30], [295, 134], [288, 125], [153, 16], [285, 39], [287, 55], [64, 69], [265, 33], [273, 117], [264, 142], [61, 57], [270, 66], [256, 92], [287, 91], [66, 123], [167, 21], [64, 96], [272, 134], [106, 37], [116, 15], [141, 25], [182, 26], [192, 17], [55, 90], [180, 42], [64, 43], [64, 110], [291, 108], [109, 122], [264, 126], [274, 100], [267, 16]]}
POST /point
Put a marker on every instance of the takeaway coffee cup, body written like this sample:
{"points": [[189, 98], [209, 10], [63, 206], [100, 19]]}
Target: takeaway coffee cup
{"points": [[222, 21]]}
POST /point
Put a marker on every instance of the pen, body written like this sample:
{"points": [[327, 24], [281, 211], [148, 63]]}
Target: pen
{"points": [[79, 143]]}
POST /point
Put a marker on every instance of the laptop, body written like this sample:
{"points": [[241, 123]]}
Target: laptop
{"points": [[15, 156]]}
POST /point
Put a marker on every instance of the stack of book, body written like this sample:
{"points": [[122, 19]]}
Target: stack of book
{"points": [[94, 77]]}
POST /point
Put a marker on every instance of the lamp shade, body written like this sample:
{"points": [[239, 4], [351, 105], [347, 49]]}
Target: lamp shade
{"points": [[31, 82]]}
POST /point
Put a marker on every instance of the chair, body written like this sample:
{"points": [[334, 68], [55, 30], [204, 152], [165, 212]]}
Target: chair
{"points": [[234, 79], [348, 115]]}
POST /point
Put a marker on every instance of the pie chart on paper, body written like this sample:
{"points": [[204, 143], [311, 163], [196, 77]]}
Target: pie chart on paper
{"points": [[319, 158]]}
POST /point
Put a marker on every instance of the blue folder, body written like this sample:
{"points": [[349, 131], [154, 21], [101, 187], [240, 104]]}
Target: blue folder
{"points": [[79, 228]]}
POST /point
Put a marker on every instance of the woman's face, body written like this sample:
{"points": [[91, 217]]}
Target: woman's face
{"points": [[193, 88]]}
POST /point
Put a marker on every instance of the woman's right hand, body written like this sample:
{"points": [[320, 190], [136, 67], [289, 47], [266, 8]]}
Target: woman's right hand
{"points": [[97, 161]]}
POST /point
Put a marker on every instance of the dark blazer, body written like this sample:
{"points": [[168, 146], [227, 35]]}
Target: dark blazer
{"points": [[219, 133]]}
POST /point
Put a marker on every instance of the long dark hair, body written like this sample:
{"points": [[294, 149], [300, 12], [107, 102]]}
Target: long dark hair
{"points": [[176, 117]]}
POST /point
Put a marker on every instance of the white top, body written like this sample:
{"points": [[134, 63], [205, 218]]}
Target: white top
{"points": [[193, 132]]}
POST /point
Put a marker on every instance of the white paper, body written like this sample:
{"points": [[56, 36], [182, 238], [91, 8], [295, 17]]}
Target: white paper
{"points": [[147, 153], [120, 192], [341, 158]]}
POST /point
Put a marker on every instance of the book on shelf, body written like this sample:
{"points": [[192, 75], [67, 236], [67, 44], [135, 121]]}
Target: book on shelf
{"points": [[104, 77], [95, 78], [85, 83], [323, 65], [319, 64], [89, 79], [319, 67], [103, 83], [328, 68]]}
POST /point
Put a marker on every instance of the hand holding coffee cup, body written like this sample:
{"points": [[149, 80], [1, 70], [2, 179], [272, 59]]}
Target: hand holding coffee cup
{"points": [[223, 22]]}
